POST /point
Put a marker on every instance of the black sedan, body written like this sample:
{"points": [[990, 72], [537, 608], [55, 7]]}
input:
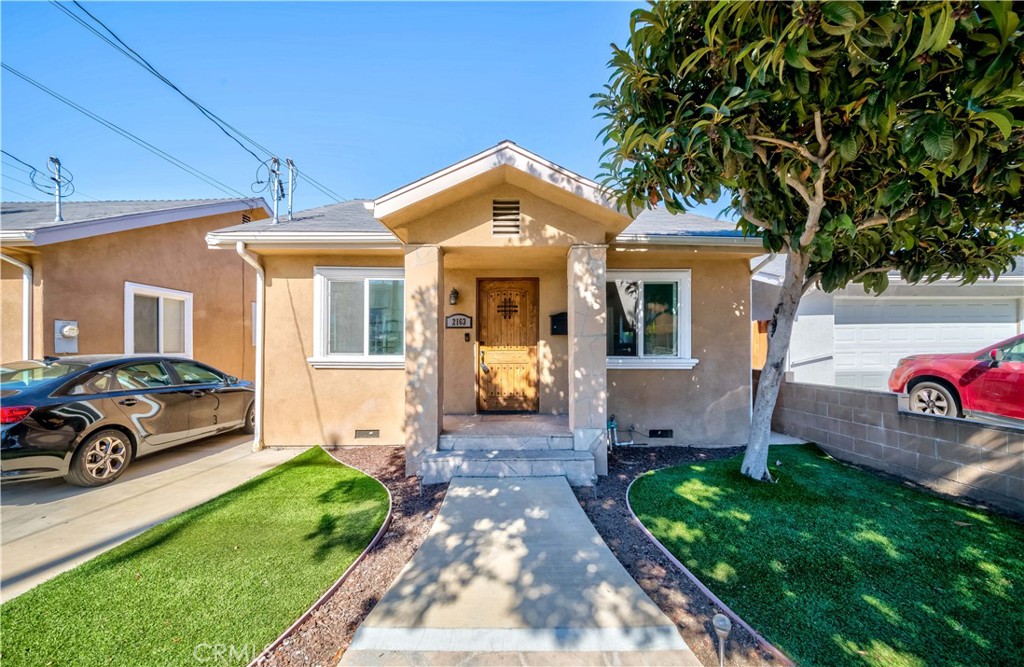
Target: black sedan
{"points": [[87, 417]]}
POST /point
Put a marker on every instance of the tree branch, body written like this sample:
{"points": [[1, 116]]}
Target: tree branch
{"points": [[802, 150], [880, 219], [748, 213], [875, 269], [800, 188], [810, 282], [820, 134]]}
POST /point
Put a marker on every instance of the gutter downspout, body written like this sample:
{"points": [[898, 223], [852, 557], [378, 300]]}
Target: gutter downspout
{"points": [[250, 259], [26, 305]]}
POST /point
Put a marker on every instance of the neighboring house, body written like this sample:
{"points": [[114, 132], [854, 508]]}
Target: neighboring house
{"points": [[853, 339], [503, 283], [131, 276]]}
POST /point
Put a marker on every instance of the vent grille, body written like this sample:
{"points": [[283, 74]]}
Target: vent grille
{"points": [[505, 217], [246, 219]]}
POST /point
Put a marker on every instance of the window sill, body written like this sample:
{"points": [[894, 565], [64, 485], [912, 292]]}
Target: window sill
{"points": [[356, 362], [651, 363]]}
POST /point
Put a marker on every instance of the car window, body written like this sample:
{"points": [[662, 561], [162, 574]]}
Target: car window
{"points": [[1014, 351], [143, 376], [32, 372], [193, 373], [94, 383]]}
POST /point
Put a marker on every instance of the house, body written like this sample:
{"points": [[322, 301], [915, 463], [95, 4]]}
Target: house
{"points": [[853, 339], [491, 316], [127, 277]]}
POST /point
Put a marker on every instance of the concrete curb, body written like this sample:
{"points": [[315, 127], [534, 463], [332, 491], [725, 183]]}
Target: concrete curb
{"points": [[274, 645], [761, 641]]}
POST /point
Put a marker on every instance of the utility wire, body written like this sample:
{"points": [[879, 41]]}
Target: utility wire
{"points": [[122, 47], [32, 171], [210, 180], [22, 194]]}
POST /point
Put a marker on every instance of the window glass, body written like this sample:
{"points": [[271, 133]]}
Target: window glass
{"points": [[174, 326], [1014, 351], [193, 373], [345, 313], [661, 302], [147, 323], [143, 376], [623, 307], [387, 328], [95, 383], [32, 372]]}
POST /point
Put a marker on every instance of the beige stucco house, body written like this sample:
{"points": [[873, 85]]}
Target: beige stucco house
{"points": [[127, 277], [492, 316]]}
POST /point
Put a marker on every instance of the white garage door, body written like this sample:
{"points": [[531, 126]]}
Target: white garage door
{"points": [[871, 335]]}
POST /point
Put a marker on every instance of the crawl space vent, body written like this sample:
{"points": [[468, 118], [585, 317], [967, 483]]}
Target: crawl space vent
{"points": [[505, 217]]}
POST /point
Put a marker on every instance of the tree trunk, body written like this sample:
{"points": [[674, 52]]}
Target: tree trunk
{"points": [[780, 330]]}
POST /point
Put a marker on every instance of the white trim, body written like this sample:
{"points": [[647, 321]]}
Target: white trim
{"points": [[334, 361], [505, 154], [130, 290], [73, 231], [684, 321], [322, 277], [690, 239], [259, 340], [26, 304], [285, 239]]}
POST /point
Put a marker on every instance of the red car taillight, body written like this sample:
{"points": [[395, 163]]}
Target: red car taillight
{"points": [[15, 414]]}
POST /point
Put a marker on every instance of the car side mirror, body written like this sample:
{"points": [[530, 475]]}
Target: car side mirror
{"points": [[997, 356], [231, 379]]}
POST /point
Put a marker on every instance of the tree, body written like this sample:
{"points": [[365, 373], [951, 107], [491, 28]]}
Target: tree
{"points": [[855, 138]]}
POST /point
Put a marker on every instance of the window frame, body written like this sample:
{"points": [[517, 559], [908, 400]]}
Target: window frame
{"points": [[159, 293], [684, 320], [322, 357]]}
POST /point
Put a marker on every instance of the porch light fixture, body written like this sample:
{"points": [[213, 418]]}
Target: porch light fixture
{"points": [[453, 296], [722, 626]]}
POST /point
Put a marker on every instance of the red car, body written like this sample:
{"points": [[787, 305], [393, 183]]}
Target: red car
{"points": [[987, 382]]}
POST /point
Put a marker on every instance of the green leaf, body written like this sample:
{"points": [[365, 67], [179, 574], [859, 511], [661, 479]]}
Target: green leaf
{"points": [[1001, 119], [894, 193], [848, 148], [938, 139]]}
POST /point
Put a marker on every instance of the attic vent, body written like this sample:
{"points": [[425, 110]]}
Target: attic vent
{"points": [[505, 217], [246, 219]]}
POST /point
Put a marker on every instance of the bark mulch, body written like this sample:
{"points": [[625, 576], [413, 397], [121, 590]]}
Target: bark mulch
{"points": [[669, 588], [327, 633]]}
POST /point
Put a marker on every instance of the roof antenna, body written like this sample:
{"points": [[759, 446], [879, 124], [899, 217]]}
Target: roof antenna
{"points": [[291, 184], [275, 184], [54, 165]]}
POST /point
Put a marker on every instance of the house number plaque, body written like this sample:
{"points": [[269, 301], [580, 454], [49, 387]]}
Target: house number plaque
{"points": [[458, 321]]}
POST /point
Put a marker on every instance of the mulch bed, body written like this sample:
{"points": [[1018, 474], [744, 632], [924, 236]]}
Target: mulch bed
{"points": [[327, 633], [669, 588]]}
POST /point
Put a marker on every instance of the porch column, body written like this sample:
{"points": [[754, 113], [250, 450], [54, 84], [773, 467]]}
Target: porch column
{"points": [[424, 279], [588, 377]]}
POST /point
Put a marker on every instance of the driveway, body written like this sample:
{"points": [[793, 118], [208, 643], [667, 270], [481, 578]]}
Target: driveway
{"points": [[47, 527]]}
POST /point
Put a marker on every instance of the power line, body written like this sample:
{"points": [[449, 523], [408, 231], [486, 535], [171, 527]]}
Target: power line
{"points": [[124, 49], [32, 171], [210, 180], [22, 194]]}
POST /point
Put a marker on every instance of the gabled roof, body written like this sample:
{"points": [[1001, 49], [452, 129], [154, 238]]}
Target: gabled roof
{"points": [[31, 223]]}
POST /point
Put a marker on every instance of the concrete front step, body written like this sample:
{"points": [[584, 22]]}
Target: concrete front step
{"points": [[459, 441], [576, 466], [378, 658]]}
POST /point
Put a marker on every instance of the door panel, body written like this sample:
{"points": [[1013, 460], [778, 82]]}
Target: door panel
{"points": [[507, 313], [158, 410]]}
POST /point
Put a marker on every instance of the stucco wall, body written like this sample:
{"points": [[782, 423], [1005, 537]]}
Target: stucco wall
{"points": [[710, 404], [460, 356], [305, 405], [84, 281]]}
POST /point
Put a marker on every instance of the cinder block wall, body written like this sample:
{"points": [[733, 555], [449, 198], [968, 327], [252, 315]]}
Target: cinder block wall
{"points": [[954, 456]]}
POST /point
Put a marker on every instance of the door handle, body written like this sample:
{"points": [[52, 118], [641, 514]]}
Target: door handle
{"points": [[129, 402], [483, 365], [198, 393]]}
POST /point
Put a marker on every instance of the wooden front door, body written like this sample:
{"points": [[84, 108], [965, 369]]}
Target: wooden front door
{"points": [[507, 357]]}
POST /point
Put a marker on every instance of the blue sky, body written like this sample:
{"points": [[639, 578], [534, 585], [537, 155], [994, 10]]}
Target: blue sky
{"points": [[365, 97]]}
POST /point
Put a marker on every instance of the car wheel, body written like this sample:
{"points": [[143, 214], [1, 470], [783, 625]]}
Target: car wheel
{"points": [[250, 419], [101, 459], [931, 398]]}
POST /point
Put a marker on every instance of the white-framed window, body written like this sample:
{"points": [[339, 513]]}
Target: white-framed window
{"points": [[157, 320], [358, 317], [648, 323]]}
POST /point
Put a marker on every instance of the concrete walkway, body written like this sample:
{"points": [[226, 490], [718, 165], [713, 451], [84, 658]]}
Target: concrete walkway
{"points": [[47, 527], [513, 572]]}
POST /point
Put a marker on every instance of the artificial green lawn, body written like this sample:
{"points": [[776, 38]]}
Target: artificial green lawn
{"points": [[233, 572], [837, 566]]}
